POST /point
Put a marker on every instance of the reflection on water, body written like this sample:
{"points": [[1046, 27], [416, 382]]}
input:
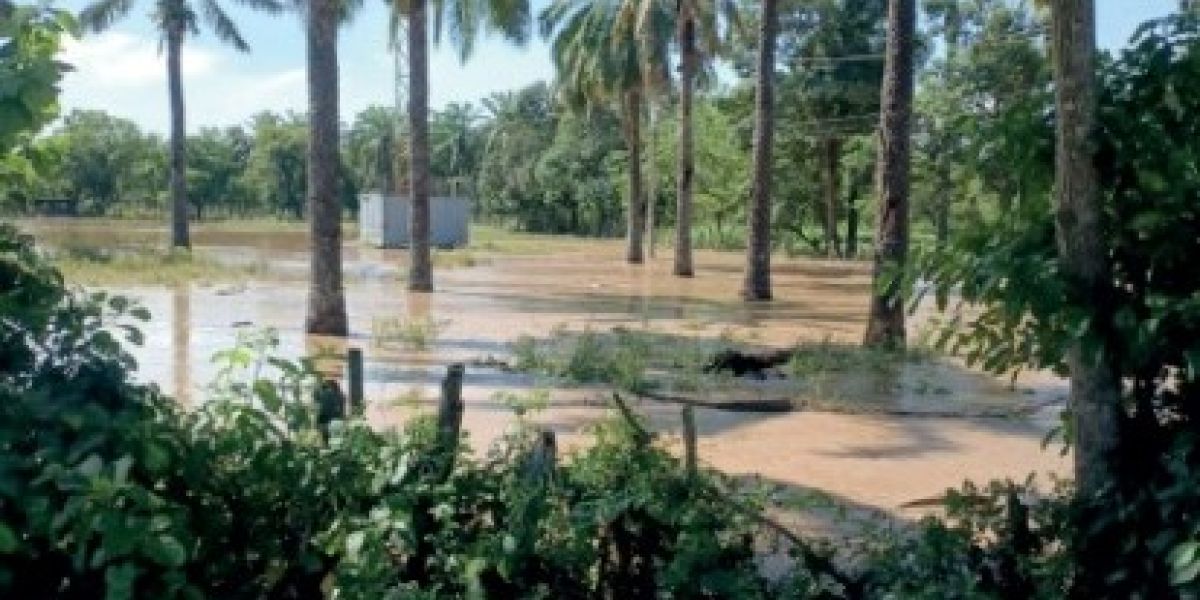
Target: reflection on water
{"points": [[181, 342]]}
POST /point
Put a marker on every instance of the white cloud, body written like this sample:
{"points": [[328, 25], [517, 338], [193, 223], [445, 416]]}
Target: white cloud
{"points": [[125, 75], [120, 60]]}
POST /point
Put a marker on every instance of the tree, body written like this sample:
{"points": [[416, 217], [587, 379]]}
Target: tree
{"points": [[218, 158], [757, 285], [1095, 388], [885, 325], [520, 127], [686, 167], [326, 297], [603, 59], [278, 163], [463, 19], [371, 149], [832, 51], [175, 19], [102, 162]]}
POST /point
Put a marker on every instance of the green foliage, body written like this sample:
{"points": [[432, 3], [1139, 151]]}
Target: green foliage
{"points": [[104, 164], [996, 542], [30, 39], [1019, 311]]}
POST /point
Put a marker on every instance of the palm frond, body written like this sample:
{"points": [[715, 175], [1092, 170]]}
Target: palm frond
{"points": [[224, 27], [100, 15]]}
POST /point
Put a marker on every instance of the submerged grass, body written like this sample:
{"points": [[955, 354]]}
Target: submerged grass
{"points": [[410, 333], [643, 360], [93, 266]]}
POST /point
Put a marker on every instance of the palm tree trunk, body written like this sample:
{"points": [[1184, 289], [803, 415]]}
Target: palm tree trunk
{"points": [[1095, 387], [651, 179], [832, 154], [885, 325], [633, 141], [420, 272], [178, 181], [687, 76], [757, 285], [326, 298]]}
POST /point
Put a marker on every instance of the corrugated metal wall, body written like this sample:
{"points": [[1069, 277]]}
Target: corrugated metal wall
{"points": [[383, 220]]}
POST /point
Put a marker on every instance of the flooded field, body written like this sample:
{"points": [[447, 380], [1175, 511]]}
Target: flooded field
{"points": [[876, 438]]}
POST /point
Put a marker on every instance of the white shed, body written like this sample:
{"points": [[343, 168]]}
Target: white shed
{"points": [[383, 220]]}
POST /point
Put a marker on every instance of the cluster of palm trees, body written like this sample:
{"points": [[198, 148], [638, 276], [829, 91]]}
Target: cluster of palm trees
{"points": [[614, 53]]}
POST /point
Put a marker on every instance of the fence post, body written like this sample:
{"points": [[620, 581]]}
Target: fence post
{"points": [[354, 376], [450, 414], [689, 441], [331, 404]]}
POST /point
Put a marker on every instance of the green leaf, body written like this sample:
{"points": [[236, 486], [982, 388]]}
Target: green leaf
{"points": [[169, 552], [354, 544], [8, 540], [1184, 560], [265, 390], [118, 582], [91, 466]]}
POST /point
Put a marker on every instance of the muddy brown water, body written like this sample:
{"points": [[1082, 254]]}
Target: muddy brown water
{"points": [[871, 458]]}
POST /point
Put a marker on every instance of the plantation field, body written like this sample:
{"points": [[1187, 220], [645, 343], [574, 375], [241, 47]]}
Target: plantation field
{"points": [[552, 325]]}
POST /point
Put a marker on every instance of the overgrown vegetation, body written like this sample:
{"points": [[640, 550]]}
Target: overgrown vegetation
{"points": [[1134, 538], [418, 333]]}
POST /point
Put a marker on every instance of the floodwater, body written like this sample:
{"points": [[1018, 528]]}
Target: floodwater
{"points": [[897, 444]]}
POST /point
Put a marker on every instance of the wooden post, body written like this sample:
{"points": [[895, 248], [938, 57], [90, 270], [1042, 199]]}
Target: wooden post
{"points": [[354, 377], [331, 404], [540, 462], [689, 441], [450, 411]]}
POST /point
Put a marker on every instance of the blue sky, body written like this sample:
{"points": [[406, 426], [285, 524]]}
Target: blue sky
{"points": [[121, 71]]}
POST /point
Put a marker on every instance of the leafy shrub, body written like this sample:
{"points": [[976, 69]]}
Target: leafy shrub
{"points": [[1133, 540]]}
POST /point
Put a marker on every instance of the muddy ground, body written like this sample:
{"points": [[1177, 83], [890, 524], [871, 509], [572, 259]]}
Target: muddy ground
{"points": [[860, 452]]}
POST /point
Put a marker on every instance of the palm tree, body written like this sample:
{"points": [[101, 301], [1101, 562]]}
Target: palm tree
{"points": [[655, 30], [687, 159], [175, 19], [696, 23], [326, 297], [603, 56], [885, 325], [757, 285], [463, 19]]}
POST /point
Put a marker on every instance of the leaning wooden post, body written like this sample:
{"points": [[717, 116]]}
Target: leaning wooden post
{"points": [[450, 414], [689, 441], [354, 376]]}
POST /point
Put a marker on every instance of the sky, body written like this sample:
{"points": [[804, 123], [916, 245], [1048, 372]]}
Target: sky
{"points": [[123, 72]]}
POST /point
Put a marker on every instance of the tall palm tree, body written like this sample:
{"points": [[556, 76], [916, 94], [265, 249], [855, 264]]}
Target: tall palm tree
{"points": [[603, 58], [698, 27], [326, 296], [463, 20], [885, 325], [757, 285], [175, 20], [655, 32]]}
